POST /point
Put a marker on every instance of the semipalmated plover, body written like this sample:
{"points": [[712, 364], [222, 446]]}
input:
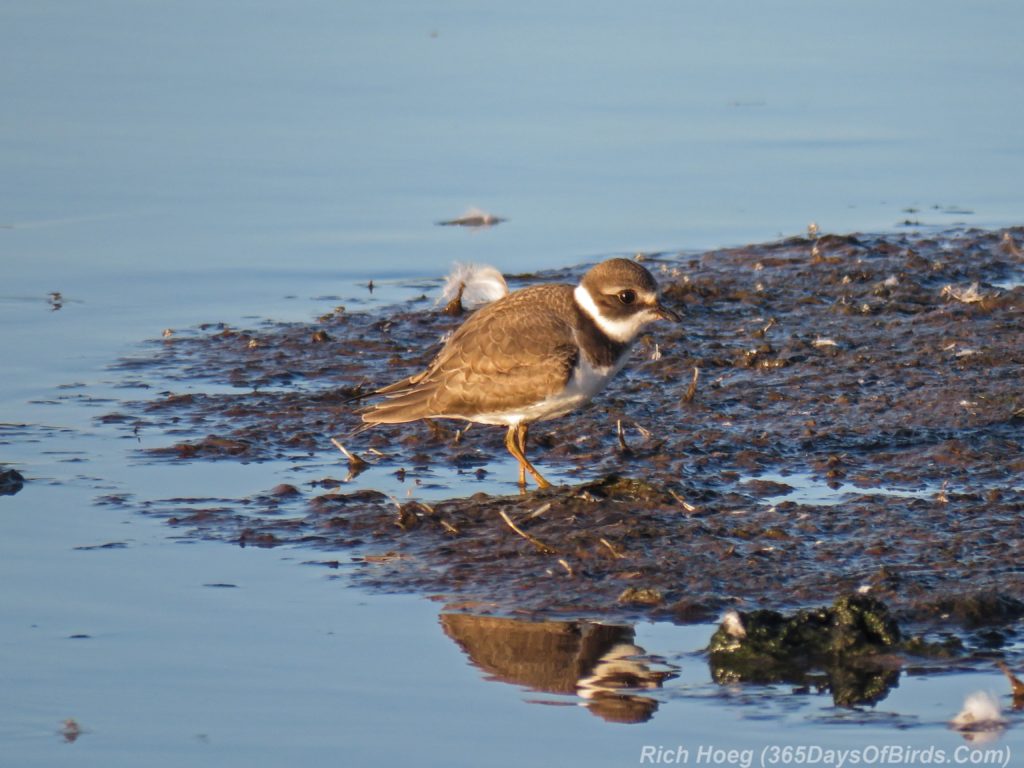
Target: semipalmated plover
{"points": [[535, 354]]}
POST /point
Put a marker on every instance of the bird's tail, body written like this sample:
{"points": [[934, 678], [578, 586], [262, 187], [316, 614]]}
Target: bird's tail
{"points": [[403, 403]]}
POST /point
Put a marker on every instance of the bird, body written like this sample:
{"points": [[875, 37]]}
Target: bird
{"points": [[535, 354]]}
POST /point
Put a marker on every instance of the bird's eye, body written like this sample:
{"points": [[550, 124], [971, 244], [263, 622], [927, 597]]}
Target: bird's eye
{"points": [[627, 297]]}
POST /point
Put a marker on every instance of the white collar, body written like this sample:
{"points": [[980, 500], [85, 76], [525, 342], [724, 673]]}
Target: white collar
{"points": [[623, 330]]}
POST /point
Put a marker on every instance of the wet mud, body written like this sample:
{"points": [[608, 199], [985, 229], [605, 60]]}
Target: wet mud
{"points": [[856, 423]]}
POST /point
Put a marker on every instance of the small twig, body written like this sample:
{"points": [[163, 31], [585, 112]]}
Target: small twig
{"points": [[538, 511], [691, 391], [611, 548], [438, 432], [387, 557], [565, 564], [685, 504], [760, 332], [433, 513], [622, 436], [354, 462], [532, 539], [1009, 246], [407, 519], [1015, 684]]}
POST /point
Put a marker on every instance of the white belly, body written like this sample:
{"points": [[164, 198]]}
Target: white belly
{"points": [[585, 382]]}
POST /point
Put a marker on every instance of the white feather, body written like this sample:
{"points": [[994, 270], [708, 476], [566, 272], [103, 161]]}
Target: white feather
{"points": [[733, 625], [481, 284], [981, 712]]}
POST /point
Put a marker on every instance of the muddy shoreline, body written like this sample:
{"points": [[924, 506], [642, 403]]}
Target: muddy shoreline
{"points": [[884, 369]]}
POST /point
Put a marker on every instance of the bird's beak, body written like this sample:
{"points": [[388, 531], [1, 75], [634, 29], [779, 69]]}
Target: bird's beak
{"points": [[664, 313]]}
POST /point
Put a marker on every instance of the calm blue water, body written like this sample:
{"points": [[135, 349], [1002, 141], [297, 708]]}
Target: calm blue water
{"points": [[164, 164], [331, 135]]}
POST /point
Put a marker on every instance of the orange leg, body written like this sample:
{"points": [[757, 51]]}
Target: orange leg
{"points": [[515, 441], [512, 446]]}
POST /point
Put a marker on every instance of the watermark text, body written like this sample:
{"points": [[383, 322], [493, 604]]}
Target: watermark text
{"points": [[770, 756]]}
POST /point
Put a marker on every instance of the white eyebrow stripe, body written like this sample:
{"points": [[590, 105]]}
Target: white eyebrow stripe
{"points": [[624, 330]]}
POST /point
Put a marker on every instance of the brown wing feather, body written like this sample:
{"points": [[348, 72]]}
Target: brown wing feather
{"points": [[512, 353]]}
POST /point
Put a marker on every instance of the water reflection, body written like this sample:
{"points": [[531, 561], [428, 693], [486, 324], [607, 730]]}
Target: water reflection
{"points": [[614, 677], [598, 662], [855, 683]]}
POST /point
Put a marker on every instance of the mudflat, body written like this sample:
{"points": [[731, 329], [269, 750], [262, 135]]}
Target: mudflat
{"points": [[834, 414]]}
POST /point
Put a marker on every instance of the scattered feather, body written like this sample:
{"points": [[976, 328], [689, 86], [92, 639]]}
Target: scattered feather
{"points": [[473, 217], [733, 624], [472, 286], [969, 295], [981, 712]]}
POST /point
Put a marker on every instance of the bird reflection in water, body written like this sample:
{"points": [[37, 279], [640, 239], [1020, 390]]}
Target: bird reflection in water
{"points": [[599, 663]]}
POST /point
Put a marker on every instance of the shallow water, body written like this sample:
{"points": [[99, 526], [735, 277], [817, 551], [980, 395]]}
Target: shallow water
{"points": [[806, 488], [190, 651], [215, 655], [154, 135], [167, 165]]}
